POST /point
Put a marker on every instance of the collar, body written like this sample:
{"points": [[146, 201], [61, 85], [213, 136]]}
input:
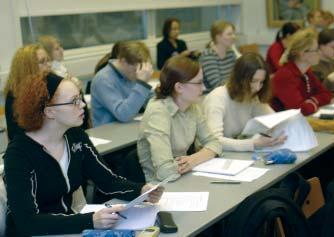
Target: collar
{"points": [[119, 74], [171, 106], [295, 70]]}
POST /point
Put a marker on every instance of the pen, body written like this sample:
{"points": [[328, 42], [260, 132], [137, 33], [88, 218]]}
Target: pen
{"points": [[109, 206], [225, 182], [265, 135]]}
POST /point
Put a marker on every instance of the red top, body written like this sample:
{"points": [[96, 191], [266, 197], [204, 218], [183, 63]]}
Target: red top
{"points": [[290, 90], [274, 54]]}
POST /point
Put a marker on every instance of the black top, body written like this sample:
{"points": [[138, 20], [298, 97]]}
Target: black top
{"points": [[12, 126], [40, 196], [166, 50]]}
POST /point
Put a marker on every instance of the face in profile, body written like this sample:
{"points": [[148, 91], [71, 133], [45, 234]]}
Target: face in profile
{"points": [[69, 107], [43, 61], [227, 37], [311, 55]]}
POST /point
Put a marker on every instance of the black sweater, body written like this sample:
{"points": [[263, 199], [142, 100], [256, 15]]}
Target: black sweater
{"points": [[39, 196], [165, 50]]}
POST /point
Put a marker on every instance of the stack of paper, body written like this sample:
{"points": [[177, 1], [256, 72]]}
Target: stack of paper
{"points": [[98, 141], [291, 123], [223, 166]]}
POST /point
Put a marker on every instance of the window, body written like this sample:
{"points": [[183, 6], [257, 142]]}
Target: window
{"points": [[83, 30]]}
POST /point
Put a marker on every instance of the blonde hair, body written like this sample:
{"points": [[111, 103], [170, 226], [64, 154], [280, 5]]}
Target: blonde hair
{"points": [[219, 27], [299, 41], [48, 42], [134, 52], [24, 65]]}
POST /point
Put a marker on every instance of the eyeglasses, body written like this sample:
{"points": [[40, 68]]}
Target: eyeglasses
{"points": [[76, 101], [312, 50]]}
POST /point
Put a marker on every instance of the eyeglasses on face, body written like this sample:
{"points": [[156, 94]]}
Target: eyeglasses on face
{"points": [[76, 101], [312, 50], [193, 82]]}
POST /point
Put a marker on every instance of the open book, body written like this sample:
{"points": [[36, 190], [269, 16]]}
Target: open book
{"points": [[300, 136], [223, 166]]}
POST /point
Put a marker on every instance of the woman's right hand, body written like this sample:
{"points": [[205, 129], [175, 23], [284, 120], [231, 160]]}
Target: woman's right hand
{"points": [[106, 218], [262, 141]]}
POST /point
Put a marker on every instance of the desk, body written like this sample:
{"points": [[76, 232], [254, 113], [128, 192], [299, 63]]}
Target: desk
{"points": [[122, 135], [224, 198]]}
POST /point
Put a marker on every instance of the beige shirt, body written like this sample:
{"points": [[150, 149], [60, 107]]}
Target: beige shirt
{"points": [[166, 133], [227, 118]]}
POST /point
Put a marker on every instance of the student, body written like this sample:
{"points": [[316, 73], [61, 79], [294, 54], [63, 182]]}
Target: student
{"points": [[28, 61], [276, 50], [172, 121], [295, 85], [217, 61], [325, 68], [229, 107], [51, 160], [120, 89], [315, 20], [56, 53], [170, 44]]}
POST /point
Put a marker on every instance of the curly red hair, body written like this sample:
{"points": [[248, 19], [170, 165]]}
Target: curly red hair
{"points": [[30, 102]]}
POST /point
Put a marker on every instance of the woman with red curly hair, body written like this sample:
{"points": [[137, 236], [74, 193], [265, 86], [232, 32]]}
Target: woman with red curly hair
{"points": [[28, 61], [49, 161]]}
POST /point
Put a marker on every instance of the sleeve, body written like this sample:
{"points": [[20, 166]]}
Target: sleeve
{"points": [[12, 126], [21, 185], [274, 55], [123, 109], [215, 112], [210, 71], [205, 137], [107, 182], [321, 96], [162, 55], [285, 85], [157, 133]]}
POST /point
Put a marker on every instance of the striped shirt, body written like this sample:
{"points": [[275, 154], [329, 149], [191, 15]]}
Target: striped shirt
{"points": [[216, 70]]}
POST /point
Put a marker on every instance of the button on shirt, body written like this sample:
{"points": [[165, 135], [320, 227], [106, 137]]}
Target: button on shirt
{"points": [[166, 133]]}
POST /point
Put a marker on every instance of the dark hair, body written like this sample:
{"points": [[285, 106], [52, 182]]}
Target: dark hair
{"points": [[176, 69], [326, 36], [111, 55], [168, 26], [242, 74], [287, 29]]}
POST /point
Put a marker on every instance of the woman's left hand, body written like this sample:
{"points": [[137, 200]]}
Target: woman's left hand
{"points": [[155, 195]]}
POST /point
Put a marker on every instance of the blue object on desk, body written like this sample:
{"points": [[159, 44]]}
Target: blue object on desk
{"points": [[108, 233], [281, 156]]}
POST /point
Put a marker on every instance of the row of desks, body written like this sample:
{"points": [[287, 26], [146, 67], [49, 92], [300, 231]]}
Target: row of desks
{"points": [[223, 198]]}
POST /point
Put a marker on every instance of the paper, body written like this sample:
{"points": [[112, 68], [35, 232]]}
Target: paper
{"points": [[184, 201], [144, 196], [138, 217], [98, 141], [138, 118], [223, 166], [266, 122], [291, 123], [323, 111], [248, 175]]}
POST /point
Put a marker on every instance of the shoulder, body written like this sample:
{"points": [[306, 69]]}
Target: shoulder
{"points": [[19, 151], [156, 107]]}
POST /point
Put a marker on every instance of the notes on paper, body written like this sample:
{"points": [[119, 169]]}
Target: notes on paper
{"points": [[223, 166], [184, 201], [98, 141], [300, 135], [247, 175]]}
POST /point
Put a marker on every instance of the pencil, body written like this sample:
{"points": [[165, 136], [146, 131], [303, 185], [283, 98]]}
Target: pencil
{"points": [[265, 135]]}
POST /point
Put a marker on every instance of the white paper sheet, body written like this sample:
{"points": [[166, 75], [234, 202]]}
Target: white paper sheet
{"points": [[99, 141], [138, 217], [138, 118], [248, 175], [223, 166], [323, 111], [184, 201]]}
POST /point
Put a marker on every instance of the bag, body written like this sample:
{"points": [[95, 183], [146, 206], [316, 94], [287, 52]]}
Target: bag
{"points": [[281, 156], [108, 233], [257, 216]]}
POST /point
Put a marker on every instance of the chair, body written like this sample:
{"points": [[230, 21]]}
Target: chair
{"points": [[249, 48]]}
